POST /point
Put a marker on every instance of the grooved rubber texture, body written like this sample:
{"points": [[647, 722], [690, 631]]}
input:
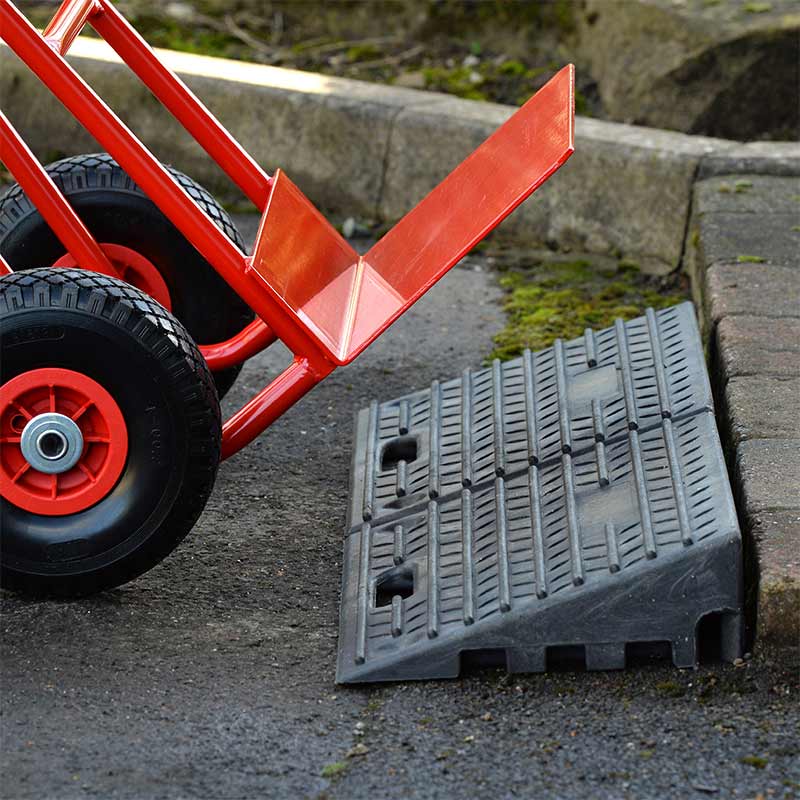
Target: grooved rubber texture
{"points": [[573, 497], [185, 374], [99, 171]]}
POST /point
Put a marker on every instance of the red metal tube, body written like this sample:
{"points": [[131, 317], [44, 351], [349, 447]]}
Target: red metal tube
{"points": [[310, 365], [249, 341], [157, 183], [260, 412], [179, 100], [68, 22], [134, 157], [5, 267], [52, 205]]}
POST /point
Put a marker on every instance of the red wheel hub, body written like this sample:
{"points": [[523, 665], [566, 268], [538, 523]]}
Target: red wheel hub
{"points": [[132, 268], [27, 404]]}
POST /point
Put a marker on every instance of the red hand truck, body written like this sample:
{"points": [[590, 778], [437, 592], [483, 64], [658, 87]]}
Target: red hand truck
{"points": [[109, 416]]}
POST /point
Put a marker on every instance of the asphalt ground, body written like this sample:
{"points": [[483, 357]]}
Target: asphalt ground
{"points": [[213, 675]]}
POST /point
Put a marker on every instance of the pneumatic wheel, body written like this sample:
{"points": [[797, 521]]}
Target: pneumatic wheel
{"points": [[144, 247], [109, 432]]}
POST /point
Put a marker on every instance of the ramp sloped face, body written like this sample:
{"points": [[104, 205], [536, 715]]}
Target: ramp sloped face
{"points": [[572, 502]]}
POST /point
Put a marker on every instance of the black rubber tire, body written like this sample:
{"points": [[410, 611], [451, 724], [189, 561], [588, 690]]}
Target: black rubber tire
{"points": [[116, 211], [147, 361]]}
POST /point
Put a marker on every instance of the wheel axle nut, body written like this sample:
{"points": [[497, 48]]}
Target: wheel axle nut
{"points": [[51, 443]]}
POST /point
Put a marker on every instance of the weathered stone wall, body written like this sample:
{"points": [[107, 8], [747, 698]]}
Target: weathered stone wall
{"points": [[371, 151], [721, 69]]}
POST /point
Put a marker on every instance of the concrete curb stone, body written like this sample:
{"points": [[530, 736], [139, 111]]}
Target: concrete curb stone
{"points": [[751, 310]]}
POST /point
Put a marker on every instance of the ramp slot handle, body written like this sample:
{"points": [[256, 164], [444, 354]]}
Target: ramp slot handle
{"points": [[611, 548], [433, 569], [466, 427], [667, 427], [590, 347], [499, 444], [639, 475], [399, 553], [529, 373], [468, 561], [435, 439], [537, 532], [600, 442], [502, 545], [363, 595], [397, 616], [370, 467], [573, 532]]}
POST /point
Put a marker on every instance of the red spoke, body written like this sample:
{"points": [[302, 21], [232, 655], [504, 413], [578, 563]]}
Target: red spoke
{"points": [[101, 439], [20, 472], [80, 411], [53, 487], [10, 439], [52, 397], [87, 472], [24, 411]]}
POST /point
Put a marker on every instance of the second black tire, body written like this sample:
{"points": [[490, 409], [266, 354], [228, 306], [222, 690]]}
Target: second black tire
{"points": [[117, 211]]}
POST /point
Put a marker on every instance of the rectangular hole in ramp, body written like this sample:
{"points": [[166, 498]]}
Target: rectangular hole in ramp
{"points": [[708, 635], [566, 658], [398, 581], [401, 448], [475, 661], [641, 654]]}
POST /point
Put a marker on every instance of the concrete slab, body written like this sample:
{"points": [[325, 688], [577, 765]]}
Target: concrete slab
{"points": [[749, 192], [770, 471], [761, 407], [763, 158], [767, 238], [754, 290], [759, 346]]}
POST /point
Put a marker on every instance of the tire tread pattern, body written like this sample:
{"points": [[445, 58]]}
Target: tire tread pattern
{"points": [[166, 338], [101, 171]]}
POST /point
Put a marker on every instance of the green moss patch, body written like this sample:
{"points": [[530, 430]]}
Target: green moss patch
{"points": [[759, 762], [548, 298], [334, 770], [510, 81]]}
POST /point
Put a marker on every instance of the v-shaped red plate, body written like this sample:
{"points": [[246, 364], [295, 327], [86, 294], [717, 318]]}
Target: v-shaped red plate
{"points": [[346, 302]]}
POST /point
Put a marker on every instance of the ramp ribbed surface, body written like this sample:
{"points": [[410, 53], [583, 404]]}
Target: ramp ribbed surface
{"points": [[575, 497]]}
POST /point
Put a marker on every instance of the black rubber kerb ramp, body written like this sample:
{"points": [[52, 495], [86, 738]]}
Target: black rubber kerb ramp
{"points": [[572, 504]]}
